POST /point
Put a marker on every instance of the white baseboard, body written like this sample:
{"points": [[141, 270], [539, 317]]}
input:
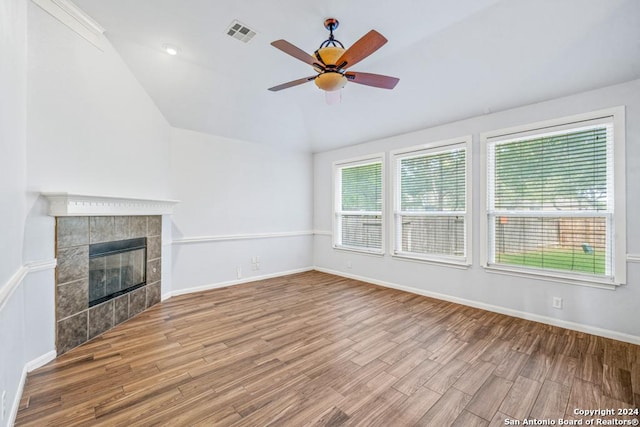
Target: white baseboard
{"points": [[41, 361], [606, 333], [6, 291], [233, 282], [28, 367]]}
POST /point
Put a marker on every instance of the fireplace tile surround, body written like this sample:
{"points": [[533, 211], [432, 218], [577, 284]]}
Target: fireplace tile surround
{"points": [[76, 323]]}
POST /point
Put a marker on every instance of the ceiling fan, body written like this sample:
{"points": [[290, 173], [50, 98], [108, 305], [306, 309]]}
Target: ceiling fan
{"points": [[331, 61]]}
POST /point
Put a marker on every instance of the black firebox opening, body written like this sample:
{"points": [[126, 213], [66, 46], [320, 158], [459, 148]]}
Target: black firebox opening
{"points": [[116, 268]]}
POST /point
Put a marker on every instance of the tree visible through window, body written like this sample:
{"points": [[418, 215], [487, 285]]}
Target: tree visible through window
{"points": [[431, 203], [359, 206]]}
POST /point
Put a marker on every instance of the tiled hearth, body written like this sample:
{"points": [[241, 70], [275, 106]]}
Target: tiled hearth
{"points": [[76, 322]]}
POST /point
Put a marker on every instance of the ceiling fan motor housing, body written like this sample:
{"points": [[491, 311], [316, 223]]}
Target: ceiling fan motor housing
{"points": [[331, 78]]}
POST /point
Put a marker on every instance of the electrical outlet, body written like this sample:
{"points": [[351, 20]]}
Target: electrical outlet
{"points": [[557, 302], [349, 265], [239, 272]]}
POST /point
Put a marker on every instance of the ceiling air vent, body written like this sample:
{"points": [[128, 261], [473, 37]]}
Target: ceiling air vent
{"points": [[239, 31]]}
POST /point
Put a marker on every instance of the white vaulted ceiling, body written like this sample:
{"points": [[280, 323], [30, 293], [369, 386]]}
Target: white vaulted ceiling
{"points": [[455, 59]]}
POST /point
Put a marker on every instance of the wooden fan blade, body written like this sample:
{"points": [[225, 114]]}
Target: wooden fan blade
{"points": [[291, 83], [375, 80], [294, 51], [364, 47]]}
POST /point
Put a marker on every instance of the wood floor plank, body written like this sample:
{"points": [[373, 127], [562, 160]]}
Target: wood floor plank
{"points": [[379, 412], [360, 375], [563, 369], [409, 411], [446, 376], [500, 419], [317, 349], [366, 392], [635, 380], [333, 417], [445, 411], [537, 366], [583, 395], [474, 377], [404, 366], [400, 351], [590, 368], [467, 419], [518, 402], [511, 365], [489, 397], [617, 384], [551, 402], [272, 412], [310, 410], [417, 377]]}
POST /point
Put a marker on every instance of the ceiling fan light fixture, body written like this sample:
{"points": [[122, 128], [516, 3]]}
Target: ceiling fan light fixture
{"points": [[329, 55], [330, 81], [331, 61]]}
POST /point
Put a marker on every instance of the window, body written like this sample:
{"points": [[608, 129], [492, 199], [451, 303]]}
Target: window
{"points": [[358, 205], [555, 199], [431, 201]]}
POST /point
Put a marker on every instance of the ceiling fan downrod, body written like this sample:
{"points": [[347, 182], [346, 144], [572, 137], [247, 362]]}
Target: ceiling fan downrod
{"points": [[331, 24]]}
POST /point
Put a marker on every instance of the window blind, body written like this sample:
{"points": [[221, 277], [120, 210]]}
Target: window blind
{"points": [[550, 200], [430, 211], [359, 206]]}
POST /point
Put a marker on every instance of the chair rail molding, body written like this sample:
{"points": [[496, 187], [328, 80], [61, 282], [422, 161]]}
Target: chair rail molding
{"points": [[7, 290], [633, 257], [231, 237]]}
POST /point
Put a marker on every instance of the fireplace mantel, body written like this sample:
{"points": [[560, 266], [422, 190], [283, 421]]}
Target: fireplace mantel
{"points": [[66, 204]]}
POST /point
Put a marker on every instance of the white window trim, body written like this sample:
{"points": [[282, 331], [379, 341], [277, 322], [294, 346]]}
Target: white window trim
{"points": [[465, 261], [357, 161], [616, 116]]}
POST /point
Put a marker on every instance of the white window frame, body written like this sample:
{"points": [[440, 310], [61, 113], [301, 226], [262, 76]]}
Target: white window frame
{"points": [[337, 202], [426, 149], [614, 116]]}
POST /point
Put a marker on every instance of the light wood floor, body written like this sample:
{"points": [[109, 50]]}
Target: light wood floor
{"points": [[317, 349]]}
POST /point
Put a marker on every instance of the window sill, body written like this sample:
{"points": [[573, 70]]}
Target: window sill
{"points": [[551, 277], [445, 262], [373, 252]]}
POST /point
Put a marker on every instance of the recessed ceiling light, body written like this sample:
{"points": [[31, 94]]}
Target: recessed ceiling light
{"points": [[171, 49]]}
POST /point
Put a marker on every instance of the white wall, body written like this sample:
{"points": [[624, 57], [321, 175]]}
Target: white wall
{"points": [[231, 194], [13, 86], [72, 118], [92, 128], [614, 311]]}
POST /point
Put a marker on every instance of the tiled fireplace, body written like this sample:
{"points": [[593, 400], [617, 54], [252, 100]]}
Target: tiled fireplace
{"points": [[108, 266], [85, 311]]}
